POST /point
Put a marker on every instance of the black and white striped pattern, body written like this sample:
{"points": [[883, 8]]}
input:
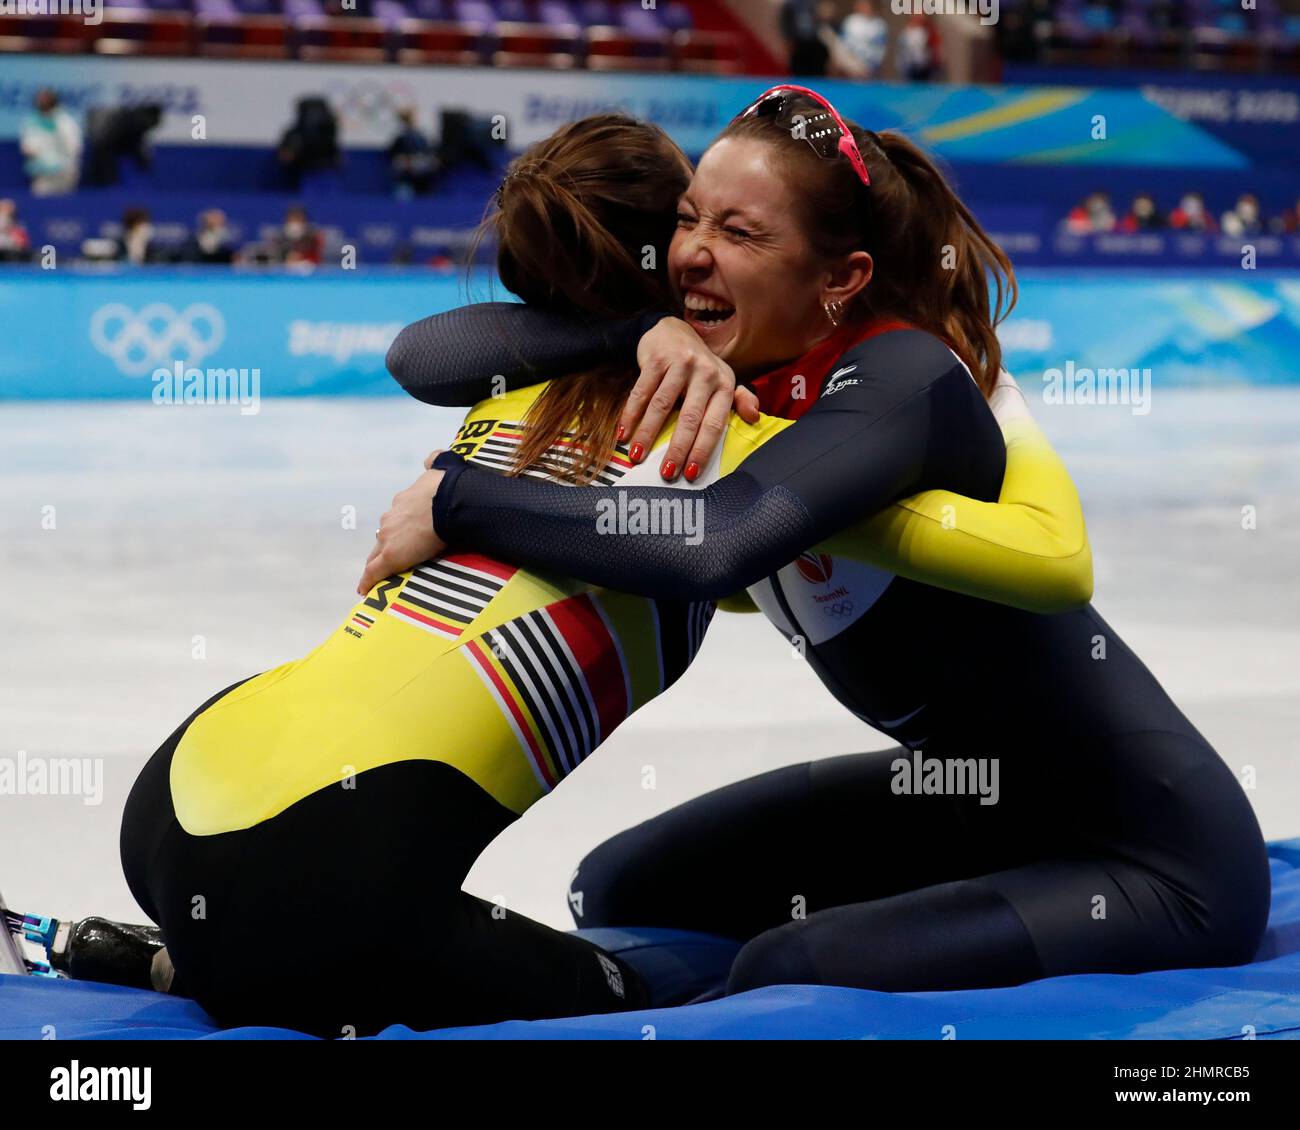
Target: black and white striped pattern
{"points": [[549, 681], [450, 591], [498, 453]]}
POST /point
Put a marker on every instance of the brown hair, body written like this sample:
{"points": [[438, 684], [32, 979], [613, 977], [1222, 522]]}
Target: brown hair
{"points": [[575, 221], [933, 261]]}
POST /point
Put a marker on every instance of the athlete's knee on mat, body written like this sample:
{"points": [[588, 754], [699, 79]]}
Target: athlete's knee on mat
{"points": [[1235, 920], [333, 998], [775, 957], [267, 1008], [1243, 912], [1228, 902]]}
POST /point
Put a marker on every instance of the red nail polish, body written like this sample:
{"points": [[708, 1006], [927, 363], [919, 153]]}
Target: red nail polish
{"points": [[619, 437], [669, 469], [692, 472], [637, 453]]}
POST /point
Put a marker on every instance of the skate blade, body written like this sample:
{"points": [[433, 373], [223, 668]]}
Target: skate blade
{"points": [[11, 957]]}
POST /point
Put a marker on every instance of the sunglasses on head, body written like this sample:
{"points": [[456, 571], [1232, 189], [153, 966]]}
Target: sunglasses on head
{"points": [[825, 131]]}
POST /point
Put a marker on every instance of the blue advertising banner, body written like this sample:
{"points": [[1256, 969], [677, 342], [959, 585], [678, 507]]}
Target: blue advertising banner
{"points": [[1256, 115], [96, 334], [250, 103], [144, 334], [1205, 329]]}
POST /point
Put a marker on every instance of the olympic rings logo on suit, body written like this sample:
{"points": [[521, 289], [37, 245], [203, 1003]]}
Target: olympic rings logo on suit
{"points": [[839, 609], [156, 336]]}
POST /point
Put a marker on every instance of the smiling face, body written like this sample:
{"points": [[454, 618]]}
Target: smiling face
{"points": [[752, 287]]}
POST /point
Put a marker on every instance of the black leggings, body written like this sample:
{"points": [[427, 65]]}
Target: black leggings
{"points": [[1146, 856], [344, 914]]}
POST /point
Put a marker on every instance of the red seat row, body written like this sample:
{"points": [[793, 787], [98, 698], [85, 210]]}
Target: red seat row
{"points": [[140, 32]]}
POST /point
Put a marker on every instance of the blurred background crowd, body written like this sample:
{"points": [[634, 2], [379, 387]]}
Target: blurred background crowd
{"points": [[84, 171]]}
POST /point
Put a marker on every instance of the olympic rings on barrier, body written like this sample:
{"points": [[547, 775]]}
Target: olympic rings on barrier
{"points": [[157, 336]]}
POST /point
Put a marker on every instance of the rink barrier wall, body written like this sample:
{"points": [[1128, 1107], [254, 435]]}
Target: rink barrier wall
{"points": [[69, 335]]}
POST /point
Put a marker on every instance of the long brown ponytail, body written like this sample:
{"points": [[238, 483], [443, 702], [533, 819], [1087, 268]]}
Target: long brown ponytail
{"points": [[934, 263], [582, 223]]}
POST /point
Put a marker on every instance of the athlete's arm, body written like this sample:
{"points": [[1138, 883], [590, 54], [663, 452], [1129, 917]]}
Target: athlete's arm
{"points": [[470, 354], [1028, 550], [897, 419], [466, 355]]}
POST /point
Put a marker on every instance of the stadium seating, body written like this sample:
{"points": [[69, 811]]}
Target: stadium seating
{"points": [[1210, 35], [600, 34]]}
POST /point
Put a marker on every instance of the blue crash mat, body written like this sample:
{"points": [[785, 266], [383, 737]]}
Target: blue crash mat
{"points": [[1262, 999]]}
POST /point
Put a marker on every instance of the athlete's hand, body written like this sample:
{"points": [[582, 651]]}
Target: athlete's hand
{"points": [[405, 537], [676, 365]]}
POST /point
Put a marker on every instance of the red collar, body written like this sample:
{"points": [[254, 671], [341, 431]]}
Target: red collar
{"points": [[778, 392]]}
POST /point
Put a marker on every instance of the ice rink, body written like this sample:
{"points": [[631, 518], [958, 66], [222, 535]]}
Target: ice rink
{"points": [[130, 531]]}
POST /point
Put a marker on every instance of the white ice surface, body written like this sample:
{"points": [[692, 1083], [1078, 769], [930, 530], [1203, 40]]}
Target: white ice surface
{"points": [[172, 523]]}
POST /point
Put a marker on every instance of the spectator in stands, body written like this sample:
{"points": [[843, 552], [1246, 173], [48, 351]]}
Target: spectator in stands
{"points": [[50, 140], [1288, 223], [300, 241], [15, 244], [1190, 215], [802, 24], [840, 61], [311, 144], [919, 49], [1244, 218], [866, 36], [1092, 215], [412, 158], [134, 245], [212, 241], [1142, 215]]}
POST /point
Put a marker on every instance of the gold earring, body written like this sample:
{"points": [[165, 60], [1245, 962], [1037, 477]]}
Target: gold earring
{"points": [[834, 311]]}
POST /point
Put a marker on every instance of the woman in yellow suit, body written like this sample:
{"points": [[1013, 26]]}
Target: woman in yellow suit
{"points": [[356, 786]]}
